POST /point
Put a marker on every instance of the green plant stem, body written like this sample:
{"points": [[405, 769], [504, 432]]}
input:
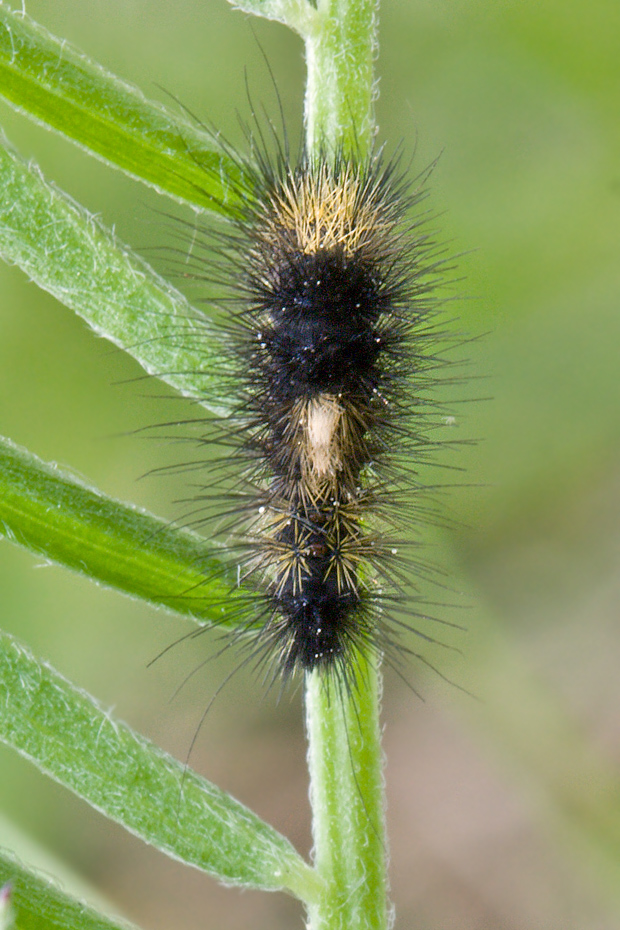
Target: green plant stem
{"points": [[340, 85], [344, 758], [344, 747]]}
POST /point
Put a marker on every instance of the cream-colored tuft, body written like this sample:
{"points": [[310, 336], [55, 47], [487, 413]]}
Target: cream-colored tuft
{"points": [[323, 449], [326, 439], [321, 211]]}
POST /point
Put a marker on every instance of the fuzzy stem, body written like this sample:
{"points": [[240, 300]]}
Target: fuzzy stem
{"points": [[340, 53], [344, 758], [344, 747]]}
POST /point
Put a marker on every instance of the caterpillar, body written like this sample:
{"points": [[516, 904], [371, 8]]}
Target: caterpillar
{"points": [[331, 287]]}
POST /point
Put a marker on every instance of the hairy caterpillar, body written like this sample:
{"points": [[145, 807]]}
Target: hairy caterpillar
{"points": [[329, 320]]}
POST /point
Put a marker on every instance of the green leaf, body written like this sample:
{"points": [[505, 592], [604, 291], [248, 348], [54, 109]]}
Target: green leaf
{"points": [[298, 14], [60, 87], [131, 781], [59, 517], [37, 903], [69, 253]]}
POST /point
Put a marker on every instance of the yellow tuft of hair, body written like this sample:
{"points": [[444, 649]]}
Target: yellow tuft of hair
{"points": [[322, 210]]}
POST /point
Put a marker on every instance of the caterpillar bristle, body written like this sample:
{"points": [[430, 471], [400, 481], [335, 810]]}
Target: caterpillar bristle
{"points": [[329, 286]]}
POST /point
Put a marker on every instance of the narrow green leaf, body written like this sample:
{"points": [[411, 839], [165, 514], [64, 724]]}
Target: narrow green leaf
{"points": [[59, 517], [299, 15], [60, 87], [69, 253], [37, 903], [127, 778]]}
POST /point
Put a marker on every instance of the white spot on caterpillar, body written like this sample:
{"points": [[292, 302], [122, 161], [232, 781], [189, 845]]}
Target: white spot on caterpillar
{"points": [[323, 415]]}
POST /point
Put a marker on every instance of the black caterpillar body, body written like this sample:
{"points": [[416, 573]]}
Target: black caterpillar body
{"points": [[332, 288]]}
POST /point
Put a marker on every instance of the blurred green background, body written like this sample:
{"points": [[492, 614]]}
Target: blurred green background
{"points": [[504, 809]]}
